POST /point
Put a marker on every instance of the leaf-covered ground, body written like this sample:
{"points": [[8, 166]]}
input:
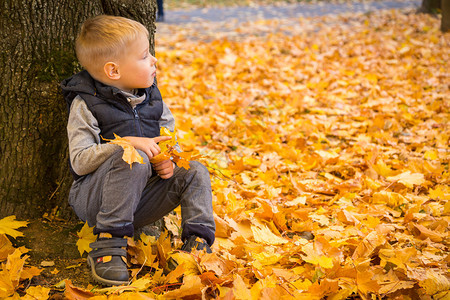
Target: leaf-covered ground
{"points": [[328, 144]]}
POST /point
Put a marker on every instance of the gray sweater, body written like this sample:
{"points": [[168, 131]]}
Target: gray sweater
{"points": [[86, 151]]}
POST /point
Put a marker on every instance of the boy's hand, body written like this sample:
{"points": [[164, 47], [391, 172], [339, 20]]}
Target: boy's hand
{"points": [[148, 145], [164, 168]]}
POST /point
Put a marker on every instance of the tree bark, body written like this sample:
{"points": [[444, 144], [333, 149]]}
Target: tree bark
{"points": [[445, 22], [429, 6], [36, 53]]}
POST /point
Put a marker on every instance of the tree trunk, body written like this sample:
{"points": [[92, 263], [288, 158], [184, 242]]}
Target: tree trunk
{"points": [[429, 6], [36, 53], [445, 22]]}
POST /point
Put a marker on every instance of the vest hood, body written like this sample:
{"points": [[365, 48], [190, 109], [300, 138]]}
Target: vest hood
{"points": [[83, 83], [79, 83]]}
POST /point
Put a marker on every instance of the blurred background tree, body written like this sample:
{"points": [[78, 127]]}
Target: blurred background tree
{"points": [[436, 6]]}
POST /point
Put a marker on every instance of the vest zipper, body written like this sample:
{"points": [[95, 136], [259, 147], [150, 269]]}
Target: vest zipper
{"points": [[138, 122]]}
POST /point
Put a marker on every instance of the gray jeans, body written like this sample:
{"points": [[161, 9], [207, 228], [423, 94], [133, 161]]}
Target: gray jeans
{"points": [[117, 198]]}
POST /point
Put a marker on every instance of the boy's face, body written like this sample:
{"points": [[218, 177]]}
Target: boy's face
{"points": [[137, 67]]}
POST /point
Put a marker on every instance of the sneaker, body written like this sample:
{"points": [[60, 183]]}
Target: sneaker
{"points": [[195, 242], [107, 261]]}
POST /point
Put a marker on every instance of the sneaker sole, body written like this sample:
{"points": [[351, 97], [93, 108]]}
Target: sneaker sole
{"points": [[99, 279]]}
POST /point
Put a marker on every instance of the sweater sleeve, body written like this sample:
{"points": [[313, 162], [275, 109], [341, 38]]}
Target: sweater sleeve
{"points": [[86, 151], [167, 120]]}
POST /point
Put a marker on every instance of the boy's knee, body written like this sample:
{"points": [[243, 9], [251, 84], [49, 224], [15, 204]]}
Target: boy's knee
{"points": [[198, 167], [136, 169]]}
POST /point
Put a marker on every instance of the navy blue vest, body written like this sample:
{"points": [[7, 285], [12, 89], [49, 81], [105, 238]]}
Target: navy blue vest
{"points": [[112, 110]]}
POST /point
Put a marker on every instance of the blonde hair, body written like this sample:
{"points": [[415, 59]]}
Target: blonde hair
{"points": [[105, 38]]}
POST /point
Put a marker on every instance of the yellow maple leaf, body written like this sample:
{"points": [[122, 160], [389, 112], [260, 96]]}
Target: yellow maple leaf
{"points": [[160, 157], [8, 225], [366, 247], [267, 258], [165, 145], [164, 247], [240, 289], [191, 288], [262, 234], [181, 159], [10, 273], [390, 282], [302, 284], [431, 154], [408, 179], [440, 192], [182, 163], [366, 283], [190, 266], [6, 247], [314, 257], [37, 292], [390, 199], [86, 236], [146, 253], [435, 282], [130, 154], [399, 257], [141, 284], [173, 276], [28, 273], [219, 265], [383, 169]]}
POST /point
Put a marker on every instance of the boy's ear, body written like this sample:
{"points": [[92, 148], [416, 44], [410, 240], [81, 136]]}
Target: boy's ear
{"points": [[111, 70]]}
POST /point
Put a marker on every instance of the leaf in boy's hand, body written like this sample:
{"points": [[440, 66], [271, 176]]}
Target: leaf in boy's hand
{"points": [[181, 162], [164, 145], [181, 159], [86, 236], [160, 158], [130, 154]]}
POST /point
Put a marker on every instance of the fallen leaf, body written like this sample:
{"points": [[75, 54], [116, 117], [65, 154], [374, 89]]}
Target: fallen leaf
{"points": [[262, 234], [37, 292], [86, 237], [314, 257], [46, 263], [408, 179], [74, 293], [192, 287], [8, 225], [240, 289], [435, 282], [6, 247]]}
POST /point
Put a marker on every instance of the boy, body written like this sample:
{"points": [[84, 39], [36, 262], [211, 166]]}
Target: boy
{"points": [[117, 93]]}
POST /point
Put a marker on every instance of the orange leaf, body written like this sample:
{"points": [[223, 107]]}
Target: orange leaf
{"points": [[74, 293], [192, 287], [130, 154]]}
